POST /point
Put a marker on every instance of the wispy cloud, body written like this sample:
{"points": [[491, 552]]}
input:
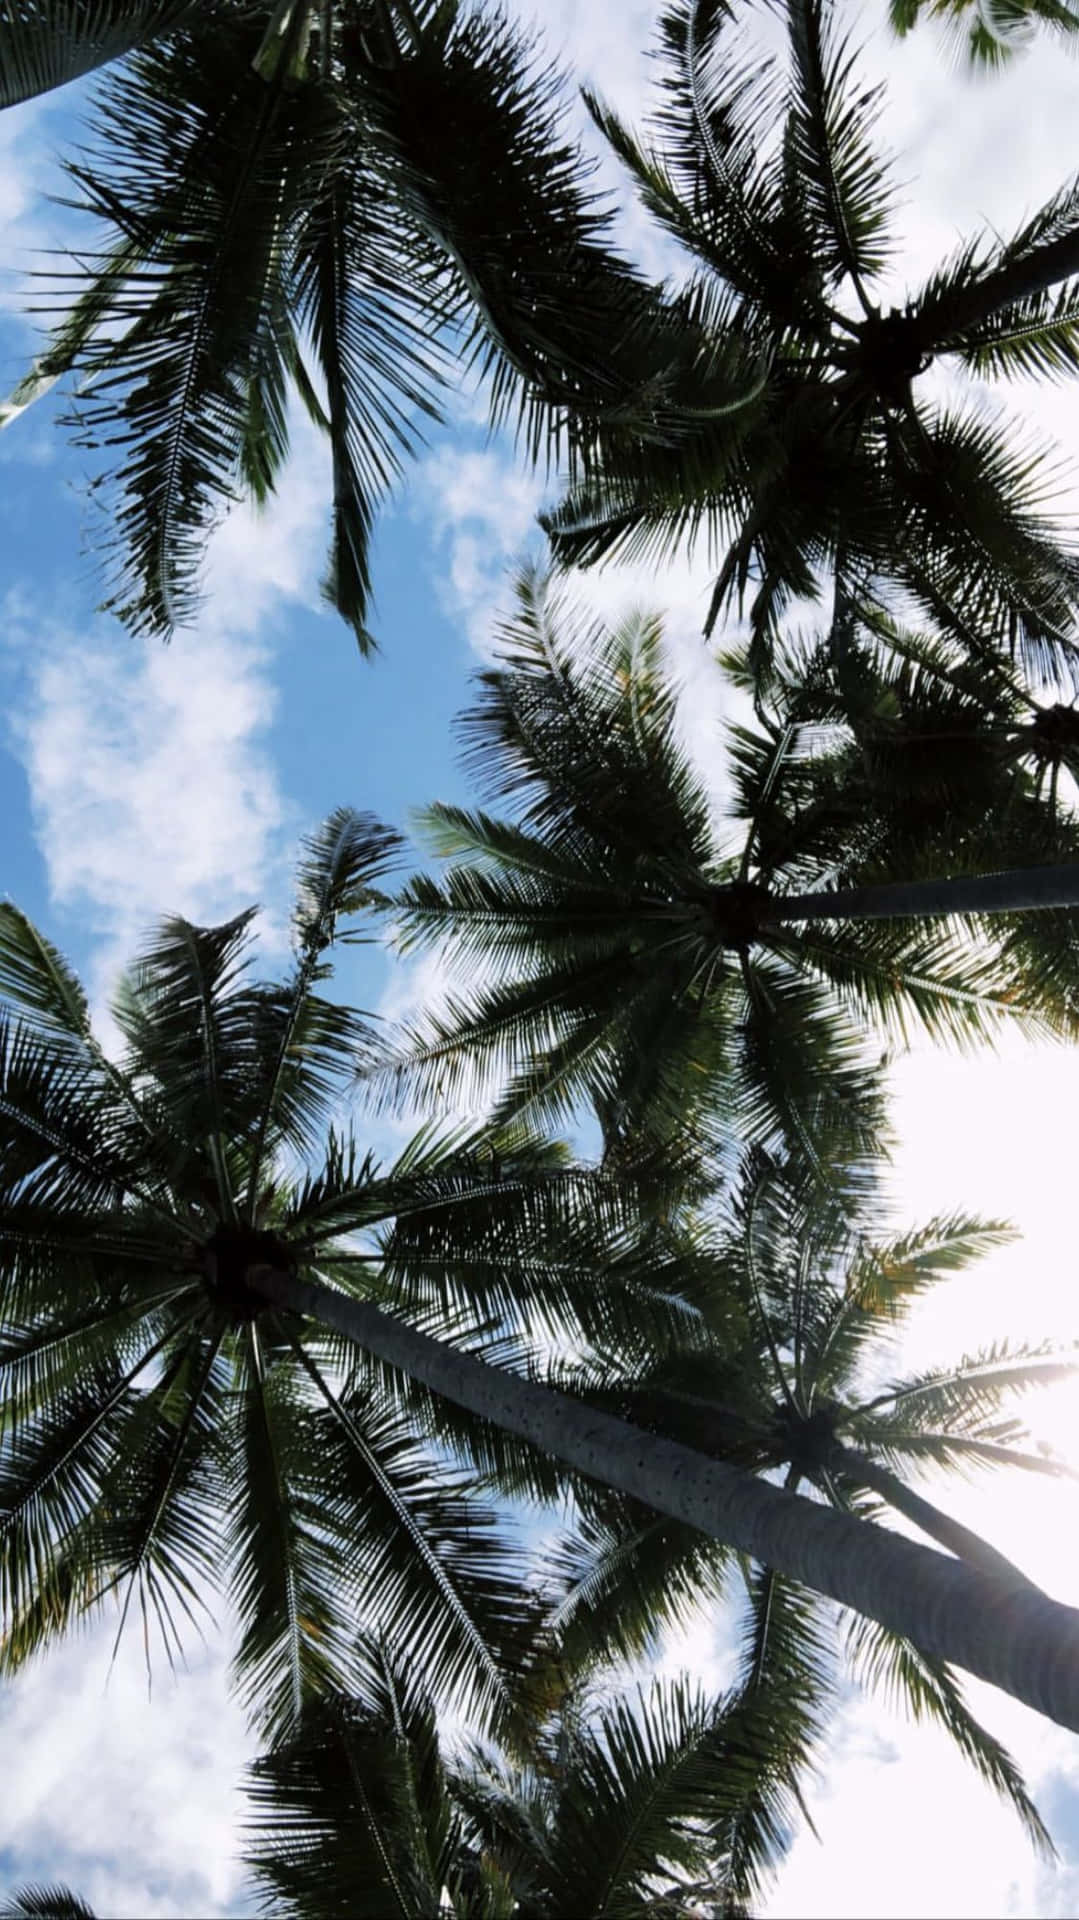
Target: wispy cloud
{"points": [[150, 787], [479, 507], [151, 781], [132, 1800]]}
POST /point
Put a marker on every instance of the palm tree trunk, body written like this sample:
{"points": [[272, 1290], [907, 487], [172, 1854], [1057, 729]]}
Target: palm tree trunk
{"points": [[1015, 890], [1011, 1635], [958, 1539], [938, 322]]}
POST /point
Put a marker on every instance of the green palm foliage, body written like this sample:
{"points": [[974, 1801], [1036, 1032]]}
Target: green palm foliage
{"points": [[46, 43], [329, 206], [766, 173], [953, 764], [632, 946], [38, 1901], [807, 1396], [166, 1435], [988, 33], [613, 1815], [368, 1809], [356, 1814]]}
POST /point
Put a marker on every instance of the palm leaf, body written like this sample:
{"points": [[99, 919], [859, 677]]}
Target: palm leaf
{"points": [[926, 1688], [289, 1564], [46, 43], [196, 152], [776, 1716], [38, 1901], [375, 349], [309, 1042], [353, 1815], [830, 127]]}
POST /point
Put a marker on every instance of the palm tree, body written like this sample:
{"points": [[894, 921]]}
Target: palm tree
{"points": [[988, 32], [805, 1397], [178, 1402], [765, 173], [163, 1434], [334, 203], [48, 43], [677, 981], [612, 1814]]}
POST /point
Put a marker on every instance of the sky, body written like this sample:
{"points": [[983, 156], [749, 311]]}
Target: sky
{"points": [[136, 779]]}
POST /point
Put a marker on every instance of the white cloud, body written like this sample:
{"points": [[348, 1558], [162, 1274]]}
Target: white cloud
{"points": [[480, 507], [151, 782], [151, 788], [131, 1799]]}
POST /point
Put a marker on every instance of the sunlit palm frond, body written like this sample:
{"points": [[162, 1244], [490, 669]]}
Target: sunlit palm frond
{"points": [[830, 128], [927, 1690], [376, 351], [776, 1717]]}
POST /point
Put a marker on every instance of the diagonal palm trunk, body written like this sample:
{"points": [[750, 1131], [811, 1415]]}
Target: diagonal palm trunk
{"points": [[1015, 890], [960, 308], [994, 1627]]}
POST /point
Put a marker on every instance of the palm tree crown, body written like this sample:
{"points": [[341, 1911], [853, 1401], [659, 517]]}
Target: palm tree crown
{"points": [[613, 1813], [165, 1432], [806, 1396], [330, 205], [637, 956], [766, 174]]}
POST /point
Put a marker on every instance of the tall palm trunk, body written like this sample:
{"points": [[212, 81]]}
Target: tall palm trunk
{"points": [[863, 1471], [1015, 889], [1011, 1635]]}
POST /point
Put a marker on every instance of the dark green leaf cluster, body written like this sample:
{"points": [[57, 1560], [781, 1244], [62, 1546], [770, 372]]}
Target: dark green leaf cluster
{"points": [[328, 205], [764, 169]]}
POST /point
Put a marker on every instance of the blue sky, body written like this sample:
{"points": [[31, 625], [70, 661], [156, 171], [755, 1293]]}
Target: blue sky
{"points": [[136, 780]]}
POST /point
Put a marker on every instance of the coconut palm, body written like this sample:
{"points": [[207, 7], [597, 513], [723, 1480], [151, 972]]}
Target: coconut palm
{"points": [[807, 1396], [766, 172], [638, 958], [335, 205], [612, 1814], [178, 1405], [162, 1433]]}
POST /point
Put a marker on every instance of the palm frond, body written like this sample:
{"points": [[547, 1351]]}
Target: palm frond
{"points": [[775, 1717], [830, 128], [40, 1901], [352, 1815], [927, 1690], [47, 43], [376, 350], [310, 1043], [289, 1568], [194, 155]]}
